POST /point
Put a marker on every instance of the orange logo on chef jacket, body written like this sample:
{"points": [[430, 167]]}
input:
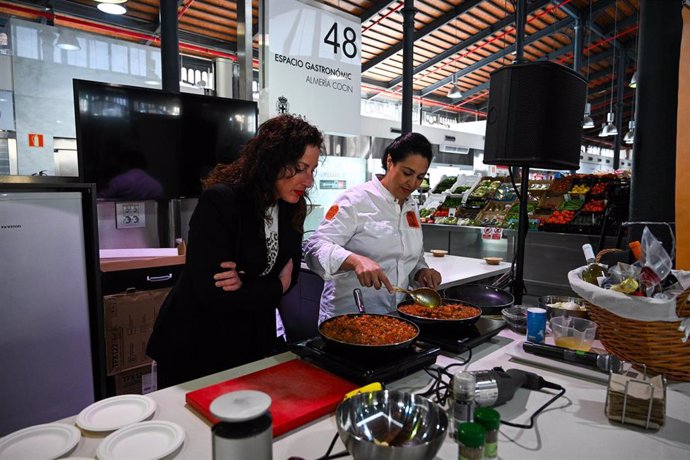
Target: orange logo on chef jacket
{"points": [[332, 212], [412, 219]]}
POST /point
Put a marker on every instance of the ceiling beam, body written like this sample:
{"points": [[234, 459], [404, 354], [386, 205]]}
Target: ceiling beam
{"points": [[374, 9], [545, 32], [469, 42], [423, 32]]}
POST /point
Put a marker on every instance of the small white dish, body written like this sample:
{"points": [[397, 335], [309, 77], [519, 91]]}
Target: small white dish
{"points": [[113, 413], [47, 441], [150, 440]]}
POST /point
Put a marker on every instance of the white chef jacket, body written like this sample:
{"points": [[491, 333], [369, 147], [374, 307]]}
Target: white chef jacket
{"points": [[367, 221]]}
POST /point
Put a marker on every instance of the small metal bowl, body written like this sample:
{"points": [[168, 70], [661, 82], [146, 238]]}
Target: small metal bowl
{"points": [[391, 425], [547, 301]]}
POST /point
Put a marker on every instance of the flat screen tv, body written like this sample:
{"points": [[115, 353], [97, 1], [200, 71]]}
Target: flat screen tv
{"points": [[138, 143]]}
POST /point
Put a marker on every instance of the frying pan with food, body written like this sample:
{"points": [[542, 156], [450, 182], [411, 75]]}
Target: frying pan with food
{"points": [[360, 332], [427, 316]]}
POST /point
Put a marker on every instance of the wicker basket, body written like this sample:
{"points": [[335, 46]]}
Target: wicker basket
{"points": [[657, 344]]}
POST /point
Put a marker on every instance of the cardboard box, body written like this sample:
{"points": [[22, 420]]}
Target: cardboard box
{"points": [[139, 381], [129, 319]]}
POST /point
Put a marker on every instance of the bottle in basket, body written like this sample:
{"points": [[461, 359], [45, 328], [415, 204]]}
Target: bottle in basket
{"points": [[594, 271]]}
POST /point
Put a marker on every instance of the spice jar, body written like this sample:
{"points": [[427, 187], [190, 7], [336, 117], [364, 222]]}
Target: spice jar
{"points": [[245, 429], [490, 419], [471, 441], [464, 385]]}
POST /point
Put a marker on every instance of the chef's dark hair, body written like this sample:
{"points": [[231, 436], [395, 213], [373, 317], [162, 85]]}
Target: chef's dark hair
{"points": [[407, 144]]}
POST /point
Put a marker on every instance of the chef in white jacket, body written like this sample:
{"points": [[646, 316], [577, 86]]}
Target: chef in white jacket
{"points": [[371, 237]]}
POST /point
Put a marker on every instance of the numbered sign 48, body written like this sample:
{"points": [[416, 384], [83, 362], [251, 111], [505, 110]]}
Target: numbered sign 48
{"points": [[313, 65]]}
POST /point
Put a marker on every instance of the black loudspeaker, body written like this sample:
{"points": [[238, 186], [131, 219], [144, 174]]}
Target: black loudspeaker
{"points": [[535, 116]]}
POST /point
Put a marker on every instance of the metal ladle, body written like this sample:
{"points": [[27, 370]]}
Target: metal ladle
{"points": [[423, 296]]}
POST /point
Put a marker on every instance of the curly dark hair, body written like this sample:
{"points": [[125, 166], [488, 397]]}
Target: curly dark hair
{"points": [[270, 155]]}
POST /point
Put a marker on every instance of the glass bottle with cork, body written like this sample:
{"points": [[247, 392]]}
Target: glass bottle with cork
{"points": [[594, 271]]}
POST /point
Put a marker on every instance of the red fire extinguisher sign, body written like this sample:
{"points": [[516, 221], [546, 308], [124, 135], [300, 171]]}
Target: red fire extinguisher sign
{"points": [[35, 140]]}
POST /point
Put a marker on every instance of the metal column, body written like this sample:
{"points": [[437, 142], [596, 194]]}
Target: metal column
{"points": [[620, 84], [653, 183], [577, 51], [408, 13], [518, 285], [245, 51], [520, 17], [170, 46]]}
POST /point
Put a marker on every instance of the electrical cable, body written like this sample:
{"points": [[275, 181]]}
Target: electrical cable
{"points": [[541, 409], [328, 456]]}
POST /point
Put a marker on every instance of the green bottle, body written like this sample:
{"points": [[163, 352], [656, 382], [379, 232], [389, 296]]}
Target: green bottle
{"points": [[594, 271]]}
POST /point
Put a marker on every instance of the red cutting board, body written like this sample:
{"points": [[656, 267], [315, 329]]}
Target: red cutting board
{"points": [[299, 393]]}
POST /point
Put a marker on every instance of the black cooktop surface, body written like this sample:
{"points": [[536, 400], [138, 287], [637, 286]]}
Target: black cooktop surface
{"points": [[367, 367], [458, 339]]}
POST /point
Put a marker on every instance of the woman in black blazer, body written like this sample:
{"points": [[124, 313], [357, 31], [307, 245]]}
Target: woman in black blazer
{"points": [[249, 223]]}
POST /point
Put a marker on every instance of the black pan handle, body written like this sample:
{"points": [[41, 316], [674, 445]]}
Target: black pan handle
{"points": [[357, 292]]}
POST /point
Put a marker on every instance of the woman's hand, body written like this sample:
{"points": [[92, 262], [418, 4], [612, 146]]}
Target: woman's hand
{"points": [[368, 272], [228, 280], [428, 277], [286, 275]]}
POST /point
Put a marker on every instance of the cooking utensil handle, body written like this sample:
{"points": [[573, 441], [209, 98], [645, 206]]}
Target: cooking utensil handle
{"points": [[357, 293]]}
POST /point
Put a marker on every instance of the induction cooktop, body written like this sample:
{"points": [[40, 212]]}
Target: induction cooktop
{"points": [[383, 366], [458, 339]]}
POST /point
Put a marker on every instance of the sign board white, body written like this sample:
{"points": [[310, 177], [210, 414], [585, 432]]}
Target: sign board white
{"points": [[312, 67]]}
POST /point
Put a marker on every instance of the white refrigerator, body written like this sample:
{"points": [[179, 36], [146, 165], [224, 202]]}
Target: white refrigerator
{"points": [[46, 365]]}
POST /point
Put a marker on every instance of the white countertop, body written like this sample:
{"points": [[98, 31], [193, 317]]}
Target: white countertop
{"points": [[574, 427], [457, 270]]}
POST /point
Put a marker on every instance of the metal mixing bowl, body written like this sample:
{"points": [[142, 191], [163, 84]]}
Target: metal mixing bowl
{"points": [[393, 425], [547, 301]]}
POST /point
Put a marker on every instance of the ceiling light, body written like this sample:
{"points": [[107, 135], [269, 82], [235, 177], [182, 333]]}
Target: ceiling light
{"points": [[67, 41], [629, 137], [112, 8], [587, 121], [604, 130], [454, 91], [633, 80], [111, 1], [610, 127]]}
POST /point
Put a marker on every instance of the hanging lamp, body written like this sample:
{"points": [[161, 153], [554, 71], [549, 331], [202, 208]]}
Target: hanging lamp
{"points": [[629, 137], [587, 121], [454, 91]]}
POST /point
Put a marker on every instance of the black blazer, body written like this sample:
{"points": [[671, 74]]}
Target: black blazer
{"points": [[202, 329]]}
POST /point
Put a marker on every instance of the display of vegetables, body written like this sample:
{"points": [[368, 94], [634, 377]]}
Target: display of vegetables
{"points": [[594, 206], [579, 189], [570, 205], [598, 188], [445, 184], [560, 217]]}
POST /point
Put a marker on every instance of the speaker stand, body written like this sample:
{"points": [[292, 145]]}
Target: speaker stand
{"points": [[518, 286]]}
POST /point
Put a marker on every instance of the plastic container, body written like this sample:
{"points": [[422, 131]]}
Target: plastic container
{"points": [[245, 426], [574, 333], [490, 419], [471, 441], [516, 317]]}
